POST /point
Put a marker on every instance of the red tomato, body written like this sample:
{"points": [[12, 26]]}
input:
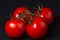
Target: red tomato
{"points": [[37, 29], [18, 11], [15, 28], [46, 14], [35, 17]]}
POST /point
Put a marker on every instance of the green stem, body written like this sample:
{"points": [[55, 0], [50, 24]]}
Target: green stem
{"points": [[23, 16], [39, 9]]}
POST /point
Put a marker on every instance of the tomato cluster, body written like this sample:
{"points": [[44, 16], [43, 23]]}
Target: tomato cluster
{"points": [[34, 24]]}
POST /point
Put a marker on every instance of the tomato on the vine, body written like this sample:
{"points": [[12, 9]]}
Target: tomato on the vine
{"points": [[37, 29], [46, 14], [22, 12], [15, 28]]}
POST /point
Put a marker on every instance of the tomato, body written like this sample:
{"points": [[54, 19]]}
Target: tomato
{"points": [[22, 12], [37, 29], [46, 14], [19, 11], [15, 28]]}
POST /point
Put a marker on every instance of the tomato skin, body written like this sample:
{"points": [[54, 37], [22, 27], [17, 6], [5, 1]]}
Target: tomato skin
{"points": [[18, 11], [15, 28], [46, 14], [35, 17], [37, 29]]}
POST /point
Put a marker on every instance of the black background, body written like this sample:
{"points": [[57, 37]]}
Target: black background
{"points": [[7, 7]]}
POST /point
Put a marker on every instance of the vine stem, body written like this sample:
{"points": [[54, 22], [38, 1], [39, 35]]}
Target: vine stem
{"points": [[39, 8]]}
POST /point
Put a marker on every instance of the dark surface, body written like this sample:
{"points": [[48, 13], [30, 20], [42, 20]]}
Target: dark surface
{"points": [[7, 7]]}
